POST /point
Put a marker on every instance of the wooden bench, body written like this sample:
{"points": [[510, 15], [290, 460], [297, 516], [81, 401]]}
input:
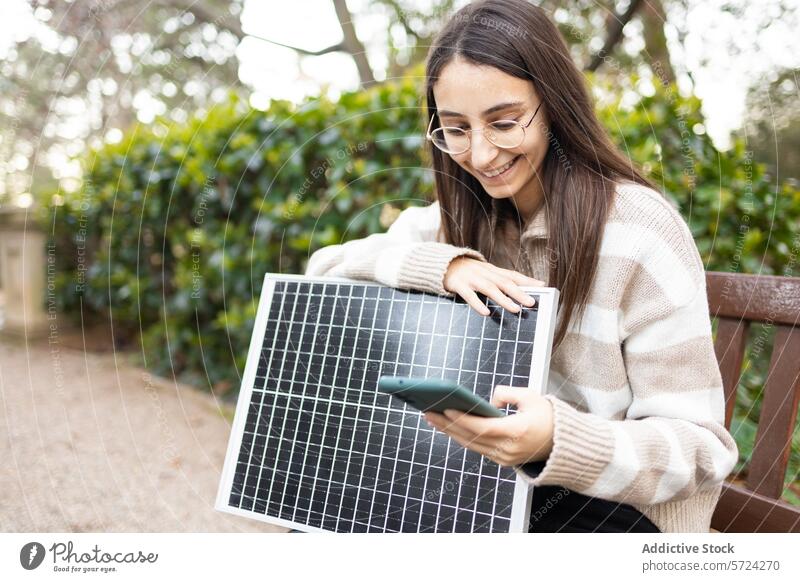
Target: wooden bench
{"points": [[736, 300]]}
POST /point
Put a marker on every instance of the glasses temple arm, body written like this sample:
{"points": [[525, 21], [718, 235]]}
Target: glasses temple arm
{"points": [[534, 114]]}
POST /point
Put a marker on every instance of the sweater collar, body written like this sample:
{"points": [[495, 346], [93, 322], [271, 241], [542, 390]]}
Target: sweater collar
{"points": [[536, 227]]}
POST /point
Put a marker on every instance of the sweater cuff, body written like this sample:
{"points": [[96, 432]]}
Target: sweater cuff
{"points": [[582, 447], [425, 265]]}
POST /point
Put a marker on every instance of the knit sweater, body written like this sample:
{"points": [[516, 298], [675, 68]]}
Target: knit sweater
{"points": [[635, 386]]}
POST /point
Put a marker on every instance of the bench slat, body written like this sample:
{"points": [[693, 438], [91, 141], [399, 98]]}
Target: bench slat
{"points": [[764, 298], [742, 511], [778, 414], [729, 347]]}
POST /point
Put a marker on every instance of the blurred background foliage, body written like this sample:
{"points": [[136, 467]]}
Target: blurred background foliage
{"points": [[173, 228]]}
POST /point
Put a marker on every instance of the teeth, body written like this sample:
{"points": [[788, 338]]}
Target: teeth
{"points": [[500, 171]]}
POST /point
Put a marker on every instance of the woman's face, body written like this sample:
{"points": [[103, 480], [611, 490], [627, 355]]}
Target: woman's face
{"points": [[463, 93]]}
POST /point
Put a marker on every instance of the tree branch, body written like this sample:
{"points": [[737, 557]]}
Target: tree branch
{"points": [[353, 45], [618, 23], [330, 49], [653, 18]]}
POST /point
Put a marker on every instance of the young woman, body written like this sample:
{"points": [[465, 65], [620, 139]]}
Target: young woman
{"points": [[530, 191]]}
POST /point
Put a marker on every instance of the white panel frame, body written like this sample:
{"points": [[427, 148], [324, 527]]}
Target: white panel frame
{"points": [[540, 368]]}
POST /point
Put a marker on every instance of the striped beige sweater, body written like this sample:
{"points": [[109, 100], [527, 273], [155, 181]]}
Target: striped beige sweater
{"points": [[635, 386]]}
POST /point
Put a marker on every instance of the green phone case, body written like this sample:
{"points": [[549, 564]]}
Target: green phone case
{"points": [[436, 394]]}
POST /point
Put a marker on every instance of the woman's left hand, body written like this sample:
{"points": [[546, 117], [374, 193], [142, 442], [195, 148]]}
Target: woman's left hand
{"points": [[511, 440]]}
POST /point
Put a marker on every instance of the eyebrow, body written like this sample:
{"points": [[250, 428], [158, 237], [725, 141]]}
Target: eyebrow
{"points": [[489, 111]]}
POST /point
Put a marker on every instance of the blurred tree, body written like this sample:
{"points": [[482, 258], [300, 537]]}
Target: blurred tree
{"points": [[772, 123], [412, 31], [654, 19], [349, 44], [91, 68], [594, 29]]}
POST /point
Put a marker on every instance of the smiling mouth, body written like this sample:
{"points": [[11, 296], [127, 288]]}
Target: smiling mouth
{"points": [[502, 170]]}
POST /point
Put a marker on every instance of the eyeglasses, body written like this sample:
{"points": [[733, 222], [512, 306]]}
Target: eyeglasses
{"points": [[503, 133]]}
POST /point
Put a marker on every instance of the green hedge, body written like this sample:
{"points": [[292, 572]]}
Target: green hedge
{"points": [[175, 226]]}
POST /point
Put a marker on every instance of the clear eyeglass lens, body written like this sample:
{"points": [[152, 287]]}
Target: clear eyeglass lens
{"points": [[503, 134], [451, 139]]}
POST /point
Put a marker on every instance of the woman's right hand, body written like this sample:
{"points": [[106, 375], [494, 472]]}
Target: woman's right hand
{"points": [[465, 276]]}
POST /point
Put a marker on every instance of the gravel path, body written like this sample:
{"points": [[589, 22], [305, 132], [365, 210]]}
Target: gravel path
{"points": [[91, 443]]}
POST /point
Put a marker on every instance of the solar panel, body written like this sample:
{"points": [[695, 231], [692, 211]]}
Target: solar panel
{"points": [[314, 445]]}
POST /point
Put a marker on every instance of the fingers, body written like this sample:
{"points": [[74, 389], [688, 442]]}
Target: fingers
{"points": [[461, 429], [446, 425], [493, 292], [510, 288], [490, 289], [506, 395], [521, 279], [491, 443], [500, 285], [505, 293], [474, 301], [471, 423]]}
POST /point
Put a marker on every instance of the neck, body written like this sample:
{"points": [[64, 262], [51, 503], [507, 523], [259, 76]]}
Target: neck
{"points": [[528, 200]]}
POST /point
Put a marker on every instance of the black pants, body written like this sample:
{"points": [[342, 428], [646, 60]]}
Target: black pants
{"points": [[558, 509]]}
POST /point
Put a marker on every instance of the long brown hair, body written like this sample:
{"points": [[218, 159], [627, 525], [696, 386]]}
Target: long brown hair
{"points": [[581, 166]]}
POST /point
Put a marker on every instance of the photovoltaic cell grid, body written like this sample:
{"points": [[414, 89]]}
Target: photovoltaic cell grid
{"points": [[322, 448]]}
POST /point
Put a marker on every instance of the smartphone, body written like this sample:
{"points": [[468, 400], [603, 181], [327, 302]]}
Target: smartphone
{"points": [[436, 394]]}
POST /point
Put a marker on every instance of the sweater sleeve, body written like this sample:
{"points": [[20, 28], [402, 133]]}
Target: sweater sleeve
{"points": [[407, 256], [672, 442]]}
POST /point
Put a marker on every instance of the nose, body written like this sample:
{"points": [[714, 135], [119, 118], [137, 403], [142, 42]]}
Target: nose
{"points": [[483, 151]]}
